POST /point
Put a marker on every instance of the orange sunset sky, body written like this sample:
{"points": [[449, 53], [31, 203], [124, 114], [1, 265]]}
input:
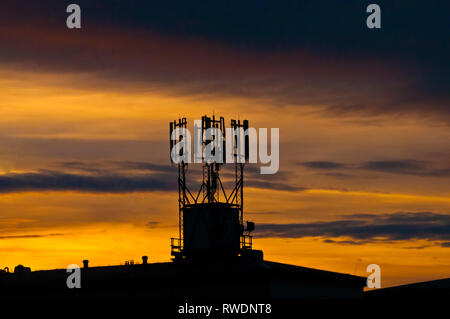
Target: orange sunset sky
{"points": [[364, 132]]}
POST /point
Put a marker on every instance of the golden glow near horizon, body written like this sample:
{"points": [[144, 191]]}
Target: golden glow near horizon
{"points": [[45, 120]]}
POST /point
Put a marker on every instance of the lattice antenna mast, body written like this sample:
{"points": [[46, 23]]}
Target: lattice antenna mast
{"points": [[241, 154], [177, 127], [213, 142]]}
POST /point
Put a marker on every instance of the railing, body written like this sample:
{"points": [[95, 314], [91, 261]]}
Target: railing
{"points": [[246, 242], [176, 246]]}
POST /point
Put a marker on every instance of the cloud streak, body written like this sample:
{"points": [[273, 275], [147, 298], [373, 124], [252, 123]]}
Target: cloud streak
{"points": [[324, 165], [368, 228], [405, 167], [103, 183], [401, 167], [125, 177], [30, 236]]}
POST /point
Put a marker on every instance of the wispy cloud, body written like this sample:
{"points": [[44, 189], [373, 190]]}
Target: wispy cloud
{"points": [[99, 183], [30, 236], [152, 224], [367, 228], [405, 167], [325, 165], [402, 167]]}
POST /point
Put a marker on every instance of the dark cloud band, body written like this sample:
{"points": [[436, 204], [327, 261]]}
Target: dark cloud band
{"points": [[235, 48], [57, 181], [366, 228], [125, 177], [403, 167]]}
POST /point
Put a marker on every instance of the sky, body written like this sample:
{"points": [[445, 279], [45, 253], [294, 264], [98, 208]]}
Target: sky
{"points": [[364, 119]]}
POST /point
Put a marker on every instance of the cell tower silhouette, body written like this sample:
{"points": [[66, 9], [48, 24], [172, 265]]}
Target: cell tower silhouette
{"points": [[210, 222]]}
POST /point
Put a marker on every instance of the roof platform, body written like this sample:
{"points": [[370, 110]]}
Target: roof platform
{"points": [[237, 279]]}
